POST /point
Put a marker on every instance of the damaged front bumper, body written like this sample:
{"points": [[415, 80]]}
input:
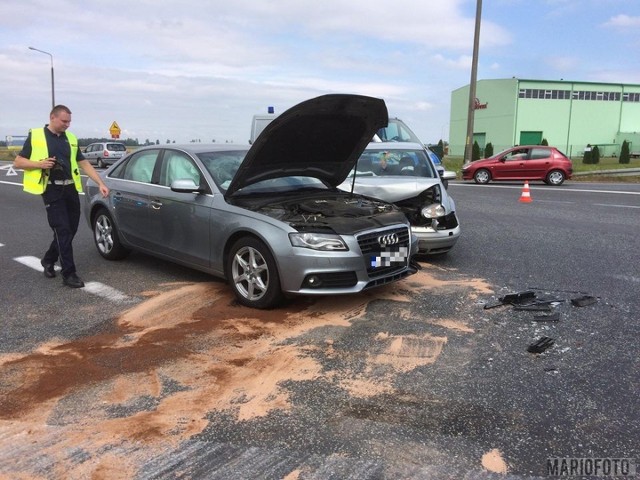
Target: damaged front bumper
{"points": [[350, 271], [437, 238]]}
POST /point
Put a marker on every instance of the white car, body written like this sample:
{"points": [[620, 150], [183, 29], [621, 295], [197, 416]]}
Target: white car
{"points": [[413, 183], [104, 154]]}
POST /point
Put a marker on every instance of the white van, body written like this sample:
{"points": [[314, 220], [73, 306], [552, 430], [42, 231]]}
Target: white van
{"points": [[258, 124], [395, 131]]}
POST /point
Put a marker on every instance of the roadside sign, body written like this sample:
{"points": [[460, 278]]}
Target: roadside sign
{"points": [[15, 142], [114, 130]]}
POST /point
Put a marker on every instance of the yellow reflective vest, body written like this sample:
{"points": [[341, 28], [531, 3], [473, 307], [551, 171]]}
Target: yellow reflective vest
{"points": [[36, 180]]}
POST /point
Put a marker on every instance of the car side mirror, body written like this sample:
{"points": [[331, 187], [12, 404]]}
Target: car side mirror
{"points": [[447, 175], [185, 185]]}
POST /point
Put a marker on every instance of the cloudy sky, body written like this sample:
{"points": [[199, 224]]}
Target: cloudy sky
{"points": [[197, 69]]}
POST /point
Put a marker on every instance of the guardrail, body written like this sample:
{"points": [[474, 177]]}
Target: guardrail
{"points": [[619, 171]]}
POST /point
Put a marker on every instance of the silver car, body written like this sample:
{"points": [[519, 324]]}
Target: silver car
{"points": [[104, 154], [269, 217], [404, 174]]}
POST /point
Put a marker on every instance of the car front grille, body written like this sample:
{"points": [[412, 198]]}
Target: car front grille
{"points": [[370, 247], [389, 278]]}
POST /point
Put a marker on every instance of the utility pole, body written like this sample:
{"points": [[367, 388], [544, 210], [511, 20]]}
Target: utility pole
{"points": [[468, 147]]}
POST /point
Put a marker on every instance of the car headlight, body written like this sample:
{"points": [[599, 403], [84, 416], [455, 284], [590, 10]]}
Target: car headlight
{"points": [[318, 241], [433, 211]]}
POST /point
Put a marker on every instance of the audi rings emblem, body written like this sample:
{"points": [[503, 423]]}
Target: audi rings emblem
{"points": [[391, 239]]}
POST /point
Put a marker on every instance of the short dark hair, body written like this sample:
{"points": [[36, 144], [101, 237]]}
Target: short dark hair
{"points": [[59, 108]]}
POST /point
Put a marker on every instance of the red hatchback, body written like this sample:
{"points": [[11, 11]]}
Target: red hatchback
{"points": [[528, 162]]}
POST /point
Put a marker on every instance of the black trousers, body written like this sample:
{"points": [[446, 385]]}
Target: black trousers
{"points": [[62, 203]]}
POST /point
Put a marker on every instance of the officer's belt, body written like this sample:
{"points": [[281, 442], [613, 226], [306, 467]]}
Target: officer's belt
{"points": [[60, 182]]}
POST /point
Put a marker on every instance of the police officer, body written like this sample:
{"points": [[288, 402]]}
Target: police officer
{"points": [[50, 159]]}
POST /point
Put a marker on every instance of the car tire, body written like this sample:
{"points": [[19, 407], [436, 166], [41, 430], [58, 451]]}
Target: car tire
{"points": [[253, 274], [106, 238], [100, 163], [555, 178], [482, 176]]}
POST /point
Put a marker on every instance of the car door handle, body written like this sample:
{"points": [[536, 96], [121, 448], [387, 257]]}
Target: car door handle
{"points": [[156, 204]]}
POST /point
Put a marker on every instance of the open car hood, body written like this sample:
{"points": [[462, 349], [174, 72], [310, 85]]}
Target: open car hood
{"points": [[322, 138]]}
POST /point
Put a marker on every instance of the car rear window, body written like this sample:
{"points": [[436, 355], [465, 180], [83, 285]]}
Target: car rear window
{"points": [[116, 147]]}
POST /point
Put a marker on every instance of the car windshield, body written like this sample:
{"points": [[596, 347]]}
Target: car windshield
{"points": [[223, 166], [398, 162]]}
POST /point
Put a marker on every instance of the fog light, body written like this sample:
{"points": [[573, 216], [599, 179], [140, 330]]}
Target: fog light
{"points": [[313, 281]]}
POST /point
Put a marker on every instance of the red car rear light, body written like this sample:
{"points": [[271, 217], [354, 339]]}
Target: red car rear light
{"points": [[106, 153]]}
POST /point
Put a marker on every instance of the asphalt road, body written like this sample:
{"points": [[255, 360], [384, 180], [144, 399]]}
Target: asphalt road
{"points": [[155, 373], [577, 236]]}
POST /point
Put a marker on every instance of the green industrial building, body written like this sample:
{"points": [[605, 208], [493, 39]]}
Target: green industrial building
{"points": [[569, 115]]}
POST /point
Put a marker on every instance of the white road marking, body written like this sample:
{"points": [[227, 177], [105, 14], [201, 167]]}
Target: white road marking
{"points": [[628, 278], [19, 184], [105, 291], [555, 189], [95, 288], [10, 170], [543, 187], [32, 262], [617, 206], [552, 201]]}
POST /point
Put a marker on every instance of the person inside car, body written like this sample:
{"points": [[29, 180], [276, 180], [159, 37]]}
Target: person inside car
{"points": [[384, 168]]}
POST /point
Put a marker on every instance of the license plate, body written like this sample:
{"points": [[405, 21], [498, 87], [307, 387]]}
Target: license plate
{"points": [[388, 258]]}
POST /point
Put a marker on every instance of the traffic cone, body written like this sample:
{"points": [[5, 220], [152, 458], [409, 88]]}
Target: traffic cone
{"points": [[526, 194]]}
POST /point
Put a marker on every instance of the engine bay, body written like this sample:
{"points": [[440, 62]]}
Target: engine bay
{"points": [[317, 209], [341, 213]]}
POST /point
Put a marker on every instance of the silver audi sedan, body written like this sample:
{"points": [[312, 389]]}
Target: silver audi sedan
{"points": [[268, 218]]}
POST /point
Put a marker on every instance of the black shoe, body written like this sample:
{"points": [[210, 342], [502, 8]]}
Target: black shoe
{"points": [[73, 281], [49, 272]]}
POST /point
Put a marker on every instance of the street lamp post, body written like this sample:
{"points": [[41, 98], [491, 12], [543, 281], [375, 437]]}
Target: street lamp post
{"points": [[53, 95]]}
